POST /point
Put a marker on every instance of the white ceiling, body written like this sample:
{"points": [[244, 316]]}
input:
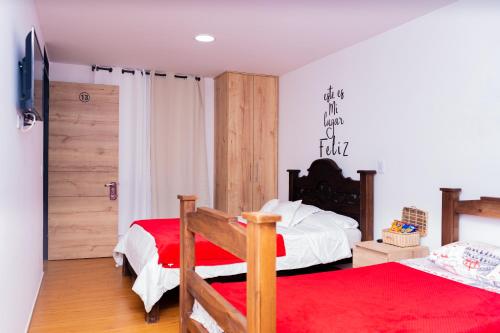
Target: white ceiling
{"points": [[258, 36]]}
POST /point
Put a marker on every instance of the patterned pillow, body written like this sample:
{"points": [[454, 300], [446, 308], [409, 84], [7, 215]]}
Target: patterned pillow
{"points": [[493, 278], [474, 260]]}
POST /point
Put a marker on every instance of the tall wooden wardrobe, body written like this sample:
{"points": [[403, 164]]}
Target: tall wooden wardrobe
{"points": [[246, 141]]}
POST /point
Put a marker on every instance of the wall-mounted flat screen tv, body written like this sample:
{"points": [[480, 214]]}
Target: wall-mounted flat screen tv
{"points": [[32, 77]]}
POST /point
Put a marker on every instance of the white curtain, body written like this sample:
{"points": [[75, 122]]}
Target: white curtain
{"points": [[162, 144], [178, 144], [134, 189]]}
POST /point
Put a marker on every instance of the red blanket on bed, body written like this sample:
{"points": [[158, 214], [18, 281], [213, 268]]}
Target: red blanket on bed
{"points": [[166, 233], [382, 298]]}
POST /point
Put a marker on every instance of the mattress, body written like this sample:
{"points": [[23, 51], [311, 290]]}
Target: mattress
{"points": [[392, 297], [307, 244]]}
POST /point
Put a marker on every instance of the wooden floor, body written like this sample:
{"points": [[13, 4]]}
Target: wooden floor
{"points": [[90, 295]]}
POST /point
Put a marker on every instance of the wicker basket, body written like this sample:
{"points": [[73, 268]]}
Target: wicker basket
{"points": [[417, 217], [400, 239]]}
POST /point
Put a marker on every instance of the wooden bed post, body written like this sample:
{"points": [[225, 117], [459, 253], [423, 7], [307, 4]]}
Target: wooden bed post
{"points": [[366, 203], [293, 175], [261, 272], [186, 300], [449, 216]]}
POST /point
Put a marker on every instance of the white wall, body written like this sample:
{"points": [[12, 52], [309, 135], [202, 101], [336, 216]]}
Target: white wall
{"points": [[71, 73], [423, 98], [83, 74], [21, 197]]}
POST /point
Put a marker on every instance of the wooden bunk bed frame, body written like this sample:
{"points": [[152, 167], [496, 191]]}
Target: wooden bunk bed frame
{"points": [[257, 245]]}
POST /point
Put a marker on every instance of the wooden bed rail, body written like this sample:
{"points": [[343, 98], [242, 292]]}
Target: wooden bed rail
{"points": [[256, 244], [452, 207]]}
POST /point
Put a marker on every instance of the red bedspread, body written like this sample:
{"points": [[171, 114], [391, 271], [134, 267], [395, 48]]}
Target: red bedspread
{"points": [[382, 298], [166, 233]]}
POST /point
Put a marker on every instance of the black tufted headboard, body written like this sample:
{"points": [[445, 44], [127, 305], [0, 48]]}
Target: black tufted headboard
{"points": [[325, 187]]}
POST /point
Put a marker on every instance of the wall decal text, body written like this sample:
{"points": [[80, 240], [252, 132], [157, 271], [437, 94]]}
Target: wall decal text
{"points": [[331, 144]]}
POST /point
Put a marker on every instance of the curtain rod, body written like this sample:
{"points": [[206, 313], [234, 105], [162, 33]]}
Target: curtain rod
{"points": [[132, 71], [101, 68]]}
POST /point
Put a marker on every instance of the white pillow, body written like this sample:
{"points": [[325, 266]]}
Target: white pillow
{"points": [[303, 212], [269, 206], [287, 210], [342, 221]]}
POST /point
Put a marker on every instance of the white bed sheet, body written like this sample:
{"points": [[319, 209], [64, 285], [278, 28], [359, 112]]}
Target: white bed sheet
{"points": [[203, 317], [353, 236], [306, 244]]}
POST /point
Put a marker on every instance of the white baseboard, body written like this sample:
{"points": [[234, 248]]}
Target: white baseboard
{"points": [[34, 303]]}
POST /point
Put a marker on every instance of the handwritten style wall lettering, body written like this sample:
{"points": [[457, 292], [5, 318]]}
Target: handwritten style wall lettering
{"points": [[331, 144]]}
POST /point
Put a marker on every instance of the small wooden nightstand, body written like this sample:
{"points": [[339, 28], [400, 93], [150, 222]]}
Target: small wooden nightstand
{"points": [[371, 253]]}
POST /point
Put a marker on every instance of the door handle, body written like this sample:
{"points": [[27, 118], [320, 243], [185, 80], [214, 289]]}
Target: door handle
{"points": [[113, 193]]}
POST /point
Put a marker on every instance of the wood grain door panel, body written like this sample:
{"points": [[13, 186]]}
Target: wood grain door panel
{"points": [[79, 184], [239, 147], [83, 157], [68, 214], [265, 144], [81, 227], [221, 147], [83, 135], [82, 154]]}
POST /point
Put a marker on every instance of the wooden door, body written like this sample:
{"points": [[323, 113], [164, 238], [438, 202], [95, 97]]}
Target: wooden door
{"points": [[83, 157], [233, 140], [265, 140], [240, 150]]}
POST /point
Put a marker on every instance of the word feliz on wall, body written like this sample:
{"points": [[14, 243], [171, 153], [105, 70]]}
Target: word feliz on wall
{"points": [[330, 145]]}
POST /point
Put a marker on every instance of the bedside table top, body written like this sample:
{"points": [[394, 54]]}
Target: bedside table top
{"points": [[387, 248]]}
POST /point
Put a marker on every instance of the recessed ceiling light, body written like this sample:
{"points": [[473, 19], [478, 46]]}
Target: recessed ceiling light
{"points": [[204, 38]]}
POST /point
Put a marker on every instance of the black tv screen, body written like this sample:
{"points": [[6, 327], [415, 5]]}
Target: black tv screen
{"points": [[33, 70]]}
